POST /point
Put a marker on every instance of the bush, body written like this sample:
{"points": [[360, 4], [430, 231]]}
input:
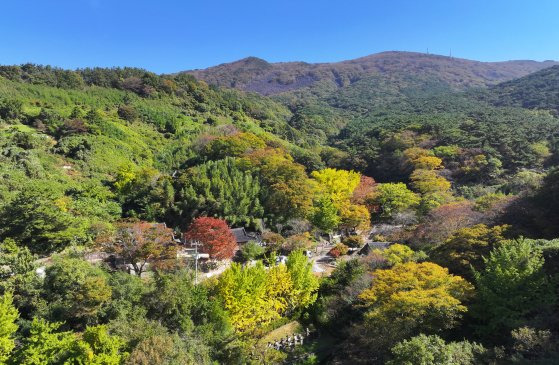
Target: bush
{"points": [[251, 251], [338, 250], [353, 241], [10, 110], [127, 113], [272, 240], [424, 349]]}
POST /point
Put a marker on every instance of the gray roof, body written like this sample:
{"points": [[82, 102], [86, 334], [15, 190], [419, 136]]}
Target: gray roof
{"points": [[370, 246], [242, 236]]}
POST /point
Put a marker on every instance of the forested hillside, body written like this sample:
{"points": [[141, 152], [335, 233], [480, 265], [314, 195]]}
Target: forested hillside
{"points": [[535, 91], [388, 210], [257, 75]]}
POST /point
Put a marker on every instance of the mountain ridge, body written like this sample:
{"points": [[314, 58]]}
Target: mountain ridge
{"points": [[254, 74]]}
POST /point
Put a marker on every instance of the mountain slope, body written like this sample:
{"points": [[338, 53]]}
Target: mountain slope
{"points": [[539, 90], [256, 75]]}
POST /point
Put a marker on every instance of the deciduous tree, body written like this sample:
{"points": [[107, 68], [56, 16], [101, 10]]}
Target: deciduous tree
{"points": [[433, 350], [140, 243], [75, 291], [214, 235], [305, 284], [338, 185], [466, 248], [325, 215], [412, 297], [286, 189], [8, 326], [394, 198]]}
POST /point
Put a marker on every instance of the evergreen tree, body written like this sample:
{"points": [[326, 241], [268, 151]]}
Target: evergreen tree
{"points": [[221, 189]]}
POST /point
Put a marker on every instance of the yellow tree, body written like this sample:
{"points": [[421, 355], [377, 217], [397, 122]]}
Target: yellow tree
{"points": [[413, 297], [428, 163], [334, 189], [398, 254], [338, 185], [355, 217], [243, 291], [279, 288], [286, 188], [428, 181]]}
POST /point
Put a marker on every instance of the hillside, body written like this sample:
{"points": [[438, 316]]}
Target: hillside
{"points": [[325, 98], [539, 90], [108, 177], [257, 75]]}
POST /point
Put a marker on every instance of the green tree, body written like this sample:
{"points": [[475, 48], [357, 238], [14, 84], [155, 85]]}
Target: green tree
{"points": [[144, 193], [221, 189], [169, 349], [76, 291], [46, 346], [305, 284], [286, 190], [98, 347], [10, 110], [433, 350], [325, 215], [251, 251], [18, 277], [234, 145], [394, 198], [40, 218], [8, 326], [128, 293], [467, 247], [172, 300], [512, 290]]}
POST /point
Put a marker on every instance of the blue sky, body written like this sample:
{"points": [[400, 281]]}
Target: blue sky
{"points": [[169, 36]]}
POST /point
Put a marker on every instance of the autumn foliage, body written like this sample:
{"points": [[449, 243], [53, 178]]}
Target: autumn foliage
{"points": [[364, 193], [139, 243], [215, 236]]}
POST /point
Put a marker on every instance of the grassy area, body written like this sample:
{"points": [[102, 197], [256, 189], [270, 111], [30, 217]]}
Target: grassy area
{"points": [[283, 331]]}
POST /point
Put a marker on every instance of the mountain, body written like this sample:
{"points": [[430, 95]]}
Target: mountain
{"points": [[257, 75], [539, 90]]}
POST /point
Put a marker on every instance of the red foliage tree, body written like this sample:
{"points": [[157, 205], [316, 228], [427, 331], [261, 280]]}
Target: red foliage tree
{"points": [[443, 221], [215, 236], [364, 193]]}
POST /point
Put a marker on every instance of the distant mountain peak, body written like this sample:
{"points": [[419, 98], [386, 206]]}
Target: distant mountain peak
{"points": [[257, 75]]}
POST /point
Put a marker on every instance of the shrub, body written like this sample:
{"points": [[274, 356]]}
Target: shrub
{"points": [[251, 251], [127, 113], [353, 241], [338, 250]]}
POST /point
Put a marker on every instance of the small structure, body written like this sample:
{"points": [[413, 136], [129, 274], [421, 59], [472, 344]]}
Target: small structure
{"points": [[281, 259], [190, 253], [370, 246], [243, 236]]}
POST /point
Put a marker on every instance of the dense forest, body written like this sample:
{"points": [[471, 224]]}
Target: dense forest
{"points": [[390, 217]]}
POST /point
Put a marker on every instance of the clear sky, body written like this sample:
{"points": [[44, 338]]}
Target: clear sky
{"points": [[174, 35]]}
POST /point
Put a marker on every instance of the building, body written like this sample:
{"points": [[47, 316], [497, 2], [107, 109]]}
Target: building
{"points": [[243, 236], [370, 246]]}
